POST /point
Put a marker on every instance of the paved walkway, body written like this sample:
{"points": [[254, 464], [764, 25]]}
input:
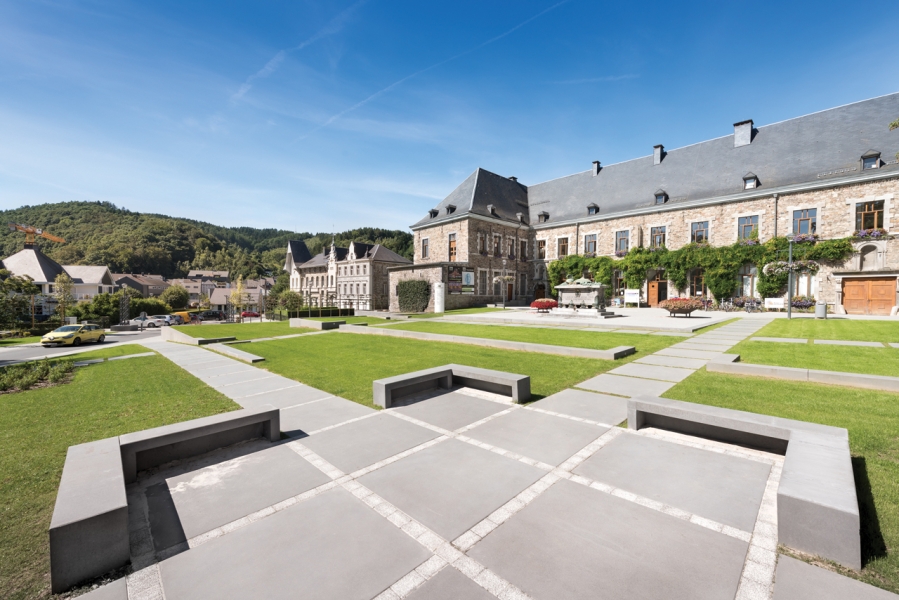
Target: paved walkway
{"points": [[655, 374], [458, 494]]}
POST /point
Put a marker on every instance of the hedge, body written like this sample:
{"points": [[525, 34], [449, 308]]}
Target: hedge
{"points": [[413, 295]]}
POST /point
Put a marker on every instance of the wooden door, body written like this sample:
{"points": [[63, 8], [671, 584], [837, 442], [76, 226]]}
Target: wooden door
{"points": [[874, 296], [653, 293], [510, 288], [540, 292]]}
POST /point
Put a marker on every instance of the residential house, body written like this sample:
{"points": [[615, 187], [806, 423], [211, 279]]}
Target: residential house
{"points": [[148, 285]]}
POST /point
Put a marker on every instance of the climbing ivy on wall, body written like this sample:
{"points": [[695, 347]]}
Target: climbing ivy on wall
{"points": [[720, 264]]}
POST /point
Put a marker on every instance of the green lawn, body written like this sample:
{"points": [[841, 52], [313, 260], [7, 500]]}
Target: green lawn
{"points": [[369, 320], [872, 419], [849, 359], [15, 341], [834, 329], [37, 426], [316, 360], [458, 311], [715, 326], [596, 340], [241, 331]]}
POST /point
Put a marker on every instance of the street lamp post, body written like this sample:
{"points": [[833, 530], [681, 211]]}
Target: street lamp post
{"points": [[790, 284], [505, 287]]}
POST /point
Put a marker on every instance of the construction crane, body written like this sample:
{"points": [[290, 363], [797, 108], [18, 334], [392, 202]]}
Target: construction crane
{"points": [[30, 233]]}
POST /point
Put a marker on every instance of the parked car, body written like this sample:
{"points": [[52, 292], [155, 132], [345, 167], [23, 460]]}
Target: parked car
{"points": [[148, 321], [169, 319], [74, 335], [249, 313], [212, 315], [177, 319]]}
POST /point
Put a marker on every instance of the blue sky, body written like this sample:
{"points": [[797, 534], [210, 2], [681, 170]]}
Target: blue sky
{"points": [[319, 116]]}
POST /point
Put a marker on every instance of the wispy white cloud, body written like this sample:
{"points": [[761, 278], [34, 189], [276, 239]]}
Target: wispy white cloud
{"points": [[395, 84], [334, 26], [606, 79]]}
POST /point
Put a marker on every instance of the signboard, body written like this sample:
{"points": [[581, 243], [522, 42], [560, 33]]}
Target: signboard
{"points": [[775, 303], [454, 280], [632, 296], [468, 281]]}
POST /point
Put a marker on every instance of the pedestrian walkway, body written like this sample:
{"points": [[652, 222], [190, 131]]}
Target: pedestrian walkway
{"points": [[655, 374]]}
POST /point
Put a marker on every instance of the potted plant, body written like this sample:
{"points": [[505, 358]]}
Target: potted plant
{"points": [[680, 306], [544, 305]]}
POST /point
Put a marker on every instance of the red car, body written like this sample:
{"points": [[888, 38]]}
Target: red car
{"points": [[249, 313]]}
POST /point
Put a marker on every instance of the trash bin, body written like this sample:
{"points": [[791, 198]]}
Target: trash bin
{"points": [[821, 310]]}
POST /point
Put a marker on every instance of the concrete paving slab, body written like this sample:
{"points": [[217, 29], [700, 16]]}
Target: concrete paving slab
{"points": [[671, 333], [797, 580], [546, 438], [684, 353], [356, 445], [672, 361], [626, 386], [691, 345], [218, 368], [892, 345], [451, 486], [779, 340], [723, 488], [586, 405], [251, 387], [451, 410], [117, 590], [218, 494], [241, 373], [849, 343], [300, 420], [450, 584], [331, 546], [292, 396], [576, 543], [674, 374]]}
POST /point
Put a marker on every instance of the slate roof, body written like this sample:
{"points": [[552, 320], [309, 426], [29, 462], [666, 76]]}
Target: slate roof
{"points": [[381, 254], [33, 263], [299, 251], [89, 274], [812, 148]]}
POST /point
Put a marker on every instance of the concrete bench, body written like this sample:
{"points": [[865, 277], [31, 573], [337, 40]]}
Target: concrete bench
{"points": [[312, 324], [236, 353], [153, 447], [387, 391], [89, 527], [817, 506]]}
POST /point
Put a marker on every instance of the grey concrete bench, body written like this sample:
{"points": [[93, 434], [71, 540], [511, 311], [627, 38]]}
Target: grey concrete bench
{"points": [[89, 527], [817, 506], [387, 391], [312, 324], [153, 447], [236, 353]]}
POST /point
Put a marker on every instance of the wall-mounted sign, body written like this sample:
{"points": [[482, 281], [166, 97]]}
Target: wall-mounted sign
{"points": [[775, 303], [468, 281]]}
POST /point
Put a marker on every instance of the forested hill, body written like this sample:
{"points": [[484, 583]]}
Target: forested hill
{"points": [[100, 233]]}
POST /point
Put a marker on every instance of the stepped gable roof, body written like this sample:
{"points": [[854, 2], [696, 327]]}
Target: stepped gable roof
{"points": [[795, 151], [33, 263], [381, 254], [299, 251], [89, 274], [477, 194]]}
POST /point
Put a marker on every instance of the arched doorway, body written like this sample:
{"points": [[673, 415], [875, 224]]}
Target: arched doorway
{"points": [[539, 291]]}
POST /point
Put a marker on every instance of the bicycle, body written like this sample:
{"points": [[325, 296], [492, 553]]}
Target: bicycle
{"points": [[752, 306]]}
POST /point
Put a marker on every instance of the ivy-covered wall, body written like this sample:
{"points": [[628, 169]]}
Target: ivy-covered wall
{"points": [[414, 295], [720, 264]]}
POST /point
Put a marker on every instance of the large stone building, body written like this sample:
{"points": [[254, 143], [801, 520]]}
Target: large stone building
{"points": [[829, 173], [353, 277]]}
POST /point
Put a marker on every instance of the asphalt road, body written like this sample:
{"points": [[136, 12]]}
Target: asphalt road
{"points": [[14, 354]]}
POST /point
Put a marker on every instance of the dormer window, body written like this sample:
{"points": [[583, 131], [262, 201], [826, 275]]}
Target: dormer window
{"points": [[491, 210], [543, 217], [750, 181], [870, 160], [450, 209], [661, 197], [592, 209], [433, 212]]}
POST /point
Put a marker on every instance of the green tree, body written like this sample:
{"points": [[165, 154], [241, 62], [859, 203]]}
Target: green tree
{"points": [[64, 295], [291, 300], [15, 298], [175, 296], [237, 297]]}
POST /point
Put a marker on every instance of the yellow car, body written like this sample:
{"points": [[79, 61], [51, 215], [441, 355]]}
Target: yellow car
{"points": [[74, 335]]}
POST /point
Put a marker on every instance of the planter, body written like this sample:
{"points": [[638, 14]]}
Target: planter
{"points": [[679, 311]]}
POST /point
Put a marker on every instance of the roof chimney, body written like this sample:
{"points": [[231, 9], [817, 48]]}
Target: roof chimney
{"points": [[596, 168], [658, 153], [513, 178], [742, 133]]}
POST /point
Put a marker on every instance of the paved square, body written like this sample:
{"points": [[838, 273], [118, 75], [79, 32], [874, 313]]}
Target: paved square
{"points": [[451, 410], [723, 488], [450, 584], [312, 416], [797, 580], [332, 546], [586, 405], [546, 438], [218, 494], [355, 445], [451, 486], [574, 542]]}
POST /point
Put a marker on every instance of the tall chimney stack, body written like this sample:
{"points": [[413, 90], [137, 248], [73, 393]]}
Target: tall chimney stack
{"points": [[658, 153], [596, 166], [742, 133]]}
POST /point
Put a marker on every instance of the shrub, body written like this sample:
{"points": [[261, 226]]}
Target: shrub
{"points": [[27, 375], [544, 304], [175, 296], [151, 306], [681, 304], [413, 295]]}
